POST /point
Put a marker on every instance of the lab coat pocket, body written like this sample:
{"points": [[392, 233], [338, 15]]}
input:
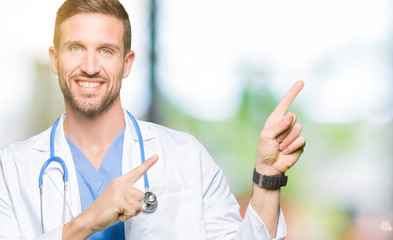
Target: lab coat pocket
{"points": [[178, 216]]}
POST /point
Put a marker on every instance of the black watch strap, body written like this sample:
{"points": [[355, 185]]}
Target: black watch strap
{"points": [[270, 182]]}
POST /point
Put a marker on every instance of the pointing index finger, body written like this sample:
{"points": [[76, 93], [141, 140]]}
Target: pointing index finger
{"points": [[138, 172], [288, 99]]}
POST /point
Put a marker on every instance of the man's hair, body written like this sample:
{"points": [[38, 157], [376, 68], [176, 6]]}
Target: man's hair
{"points": [[109, 7]]}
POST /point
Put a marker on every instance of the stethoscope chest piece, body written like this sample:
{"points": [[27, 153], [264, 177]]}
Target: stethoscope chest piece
{"points": [[149, 203]]}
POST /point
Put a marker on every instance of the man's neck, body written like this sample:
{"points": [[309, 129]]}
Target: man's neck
{"points": [[93, 136]]}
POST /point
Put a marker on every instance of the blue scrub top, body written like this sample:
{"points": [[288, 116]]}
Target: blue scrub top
{"points": [[92, 183]]}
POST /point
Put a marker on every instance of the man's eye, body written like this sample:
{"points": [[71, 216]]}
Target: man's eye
{"points": [[75, 49], [106, 51]]}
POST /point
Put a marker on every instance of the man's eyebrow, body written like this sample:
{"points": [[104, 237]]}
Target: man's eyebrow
{"points": [[70, 43], [113, 46]]}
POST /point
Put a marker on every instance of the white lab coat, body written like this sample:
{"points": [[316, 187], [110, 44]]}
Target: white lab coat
{"points": [[194, 200]]}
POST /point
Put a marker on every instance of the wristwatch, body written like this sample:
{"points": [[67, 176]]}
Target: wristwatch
{"points": [[269, 182]]}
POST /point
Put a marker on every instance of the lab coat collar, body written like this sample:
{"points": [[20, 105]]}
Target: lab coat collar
{"points": [[147, 134], [43, 143]]}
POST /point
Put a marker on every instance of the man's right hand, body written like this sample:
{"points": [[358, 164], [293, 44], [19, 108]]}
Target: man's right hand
{"points": [[119, 202]]}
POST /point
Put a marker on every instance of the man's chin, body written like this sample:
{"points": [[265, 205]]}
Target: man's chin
{"points": [[91, 107], [86, 110], [91, 112]]}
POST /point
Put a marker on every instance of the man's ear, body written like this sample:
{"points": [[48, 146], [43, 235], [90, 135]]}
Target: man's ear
{"points": [[129, 60], [53, 59]]}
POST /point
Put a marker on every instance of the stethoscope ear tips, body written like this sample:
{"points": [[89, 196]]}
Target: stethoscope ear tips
{"points": [[149, 203]]}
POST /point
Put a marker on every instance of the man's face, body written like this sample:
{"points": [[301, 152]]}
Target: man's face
{"points": [[90, 62]]}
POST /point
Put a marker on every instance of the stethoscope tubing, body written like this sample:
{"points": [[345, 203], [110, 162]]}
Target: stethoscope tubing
{"points": [[141, 148], [52, 158]]}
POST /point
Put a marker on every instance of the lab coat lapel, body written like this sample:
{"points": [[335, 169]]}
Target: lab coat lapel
{"points": [[54, 172], [132, 156], [131, 151], [73, 199]]}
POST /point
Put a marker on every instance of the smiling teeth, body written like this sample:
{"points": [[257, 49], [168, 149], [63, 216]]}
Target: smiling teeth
{"points": [[89, 84]]}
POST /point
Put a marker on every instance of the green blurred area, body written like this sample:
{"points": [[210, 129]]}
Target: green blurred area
{"points": [[322, 212]]}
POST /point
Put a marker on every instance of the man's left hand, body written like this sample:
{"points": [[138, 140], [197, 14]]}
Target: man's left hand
{"points": [[280, 144]]}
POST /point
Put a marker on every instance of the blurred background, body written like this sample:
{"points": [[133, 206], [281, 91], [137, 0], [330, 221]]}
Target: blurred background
{"points": [[218, 68]]}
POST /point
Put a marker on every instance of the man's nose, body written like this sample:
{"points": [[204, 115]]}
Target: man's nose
{"points": [[90, 64]]}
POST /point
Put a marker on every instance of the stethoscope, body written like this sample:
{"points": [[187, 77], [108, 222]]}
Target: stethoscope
{"points": [[149, 203]]}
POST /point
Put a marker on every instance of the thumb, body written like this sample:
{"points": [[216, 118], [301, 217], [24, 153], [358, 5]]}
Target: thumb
{"points": [[137, 172], [283, 125]]}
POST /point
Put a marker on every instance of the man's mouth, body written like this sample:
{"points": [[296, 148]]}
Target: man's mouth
{"points": [[88, 84]]}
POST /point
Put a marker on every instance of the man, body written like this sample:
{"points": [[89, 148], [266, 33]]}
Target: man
{"points": [[99, 145]]}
